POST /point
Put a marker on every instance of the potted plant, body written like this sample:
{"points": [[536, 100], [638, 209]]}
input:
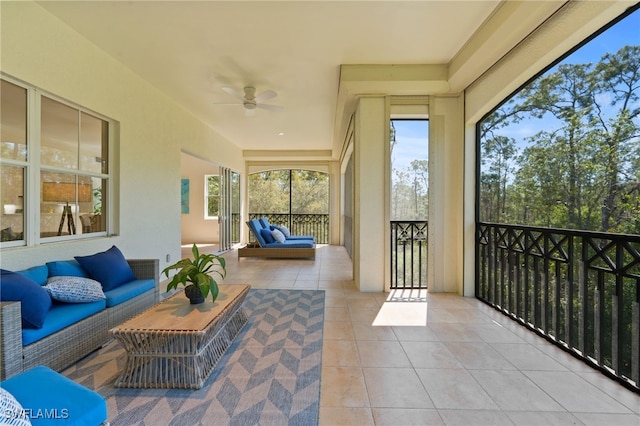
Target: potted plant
{"points": [[194, 275]]}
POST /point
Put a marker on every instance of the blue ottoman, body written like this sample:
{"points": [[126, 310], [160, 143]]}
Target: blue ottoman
{"points": [[49, 398]]}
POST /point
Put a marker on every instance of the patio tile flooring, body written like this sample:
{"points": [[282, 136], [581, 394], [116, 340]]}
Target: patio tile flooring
{"points": [[416, 358]]}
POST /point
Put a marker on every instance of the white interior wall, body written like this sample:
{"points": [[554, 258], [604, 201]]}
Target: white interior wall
{"points": [[195, 228], [40, 50]]}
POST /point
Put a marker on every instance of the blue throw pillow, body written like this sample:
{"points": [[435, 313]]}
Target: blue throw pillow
{"points": [[38, 273], [34, 299], [109, 267], [266, 234], [66, 268]]}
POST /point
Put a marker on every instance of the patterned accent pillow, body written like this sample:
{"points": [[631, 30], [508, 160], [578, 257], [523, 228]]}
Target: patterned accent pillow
{"points": [[11, 412], [285, 231], [74, 289], [278, 236]]}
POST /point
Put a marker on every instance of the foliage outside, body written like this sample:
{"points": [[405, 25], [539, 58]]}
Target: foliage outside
{"points": [[409, 184], [581, 168], [269, 192]]}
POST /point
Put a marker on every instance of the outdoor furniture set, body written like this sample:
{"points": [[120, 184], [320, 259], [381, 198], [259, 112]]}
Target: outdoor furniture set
{"points": [[277, 242], [36, 330]]}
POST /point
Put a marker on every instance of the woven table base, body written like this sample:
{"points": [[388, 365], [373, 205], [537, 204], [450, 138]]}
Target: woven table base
{"points": [[178, 359]]}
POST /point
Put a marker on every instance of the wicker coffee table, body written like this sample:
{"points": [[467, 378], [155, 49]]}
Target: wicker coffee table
{"points": [[175, 344]]}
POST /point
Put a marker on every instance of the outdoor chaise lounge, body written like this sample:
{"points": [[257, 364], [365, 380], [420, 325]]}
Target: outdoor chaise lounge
{"points": [[291, 247]]}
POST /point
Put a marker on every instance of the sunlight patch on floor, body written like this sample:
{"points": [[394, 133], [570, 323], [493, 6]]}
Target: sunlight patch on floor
{"points": [[403, 308]]}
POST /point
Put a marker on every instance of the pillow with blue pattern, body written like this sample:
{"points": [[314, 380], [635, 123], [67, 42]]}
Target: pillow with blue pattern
{"points": [[74, 289]]}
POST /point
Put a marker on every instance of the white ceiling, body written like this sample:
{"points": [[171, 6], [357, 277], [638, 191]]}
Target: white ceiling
{"points": [[190, 50]]}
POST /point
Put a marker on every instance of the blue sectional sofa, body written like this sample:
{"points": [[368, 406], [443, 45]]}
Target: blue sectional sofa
{"points": [[287, 246], [53, 314]]}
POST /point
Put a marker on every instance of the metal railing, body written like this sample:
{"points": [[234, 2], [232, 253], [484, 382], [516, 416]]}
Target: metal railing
{"points": [[299, 224], [409, 254], [581, 290]]}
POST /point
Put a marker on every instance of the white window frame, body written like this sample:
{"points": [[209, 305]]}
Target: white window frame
{"points": [[207, 196], [33, 168]]}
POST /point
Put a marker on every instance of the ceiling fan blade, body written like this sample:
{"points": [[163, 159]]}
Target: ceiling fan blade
{"points": [[266, 95], [270, 107], [233, 93]]}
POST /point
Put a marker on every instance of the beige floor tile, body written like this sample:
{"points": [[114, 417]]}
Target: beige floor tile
{"points": [[416, 334], [305, 284], [600, 419], [340, 353], [367, 331], [336, 313], [430, 355], [395, 388], [615, 390], [475, 418], [455, 389], [363, 314], [574, 393], [341, 416], [494, 333], [546, 418], [450, 332], [343, 387], [382, 354], [338, 330], [527, 357], [513, 391], [406, 417], [478, 356]]}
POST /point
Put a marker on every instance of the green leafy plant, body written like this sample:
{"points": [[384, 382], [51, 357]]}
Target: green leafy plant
{"points": [[197, 272]]}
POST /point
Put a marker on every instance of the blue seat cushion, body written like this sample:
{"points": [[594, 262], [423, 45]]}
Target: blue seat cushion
{"points": [[61, 315], [301, 237], [49, 398], [292, 244], [128, 291]]}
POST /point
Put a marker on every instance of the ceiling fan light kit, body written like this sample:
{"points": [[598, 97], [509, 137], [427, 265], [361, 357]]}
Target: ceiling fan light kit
{"points": [[250, 101]]}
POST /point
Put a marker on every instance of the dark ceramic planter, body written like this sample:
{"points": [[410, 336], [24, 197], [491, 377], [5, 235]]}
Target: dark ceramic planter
{"points": [[194, 294]]}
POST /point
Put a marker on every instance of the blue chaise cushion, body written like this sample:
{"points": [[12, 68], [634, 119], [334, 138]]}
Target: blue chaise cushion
{"points": [[50, 398], [109, 267], [255, 228], [34, 299]]}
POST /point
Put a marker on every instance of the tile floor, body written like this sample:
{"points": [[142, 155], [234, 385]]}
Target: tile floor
{"points": [[435, 359]]}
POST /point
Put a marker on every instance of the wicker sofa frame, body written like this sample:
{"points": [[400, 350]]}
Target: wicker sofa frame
{"points": [[62, 348]]}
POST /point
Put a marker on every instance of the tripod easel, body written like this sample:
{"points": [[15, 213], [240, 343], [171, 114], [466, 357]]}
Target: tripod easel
{"points": [[71, 226]]}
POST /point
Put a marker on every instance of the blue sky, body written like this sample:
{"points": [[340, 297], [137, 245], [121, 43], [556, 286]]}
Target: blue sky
{"points": [[412, 142], [624, 33], [412, 135]]}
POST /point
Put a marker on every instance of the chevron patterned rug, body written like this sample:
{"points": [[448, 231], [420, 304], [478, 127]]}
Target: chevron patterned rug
{"points": [[270, 375]]}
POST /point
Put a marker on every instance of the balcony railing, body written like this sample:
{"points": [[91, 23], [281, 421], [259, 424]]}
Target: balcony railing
{"points": [[579, 289], [409, 254], [299, 224]]}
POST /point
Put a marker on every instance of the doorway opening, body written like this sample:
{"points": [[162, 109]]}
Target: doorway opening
{"points": [[409, 210]]}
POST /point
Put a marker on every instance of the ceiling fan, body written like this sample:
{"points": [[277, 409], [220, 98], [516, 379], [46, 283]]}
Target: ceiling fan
{"points": [[250, 101]]}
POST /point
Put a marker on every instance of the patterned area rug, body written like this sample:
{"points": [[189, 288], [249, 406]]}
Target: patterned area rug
{"points": [[270, 375]]}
